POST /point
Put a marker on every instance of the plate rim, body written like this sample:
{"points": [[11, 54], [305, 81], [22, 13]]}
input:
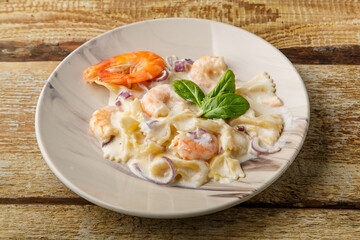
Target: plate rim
{"points": [[119, 209]]}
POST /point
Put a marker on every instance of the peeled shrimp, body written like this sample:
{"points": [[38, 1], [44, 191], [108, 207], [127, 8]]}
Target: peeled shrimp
{"points": [[206, 71], [100, 123], [133, 67], [154, 101], [195, 145]]}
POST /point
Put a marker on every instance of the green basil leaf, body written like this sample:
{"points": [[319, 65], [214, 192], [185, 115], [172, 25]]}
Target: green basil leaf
{"points": [[189, 91], [225, 106], [226, 85]]}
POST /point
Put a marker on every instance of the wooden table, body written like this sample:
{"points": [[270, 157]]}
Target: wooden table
{"points": [[317, 197]]}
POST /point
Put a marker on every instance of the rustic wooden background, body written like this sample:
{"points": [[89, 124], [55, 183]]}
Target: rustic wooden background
{"points": [[317, 197]]}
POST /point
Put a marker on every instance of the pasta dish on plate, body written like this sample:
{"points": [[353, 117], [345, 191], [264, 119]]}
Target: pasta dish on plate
{"points": [[183, 122]]}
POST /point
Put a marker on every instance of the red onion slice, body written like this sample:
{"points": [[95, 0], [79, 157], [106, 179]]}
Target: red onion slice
{"points": [[169, 61], [167, 182], [162, 77], [107, 141], [182, 66], [220, 150], [201, 131], [179, 66], [151, 123], [257, 148], [124, 95], [200, 135], [197, 133], [118, 103], [188, 60], [240, 128]]}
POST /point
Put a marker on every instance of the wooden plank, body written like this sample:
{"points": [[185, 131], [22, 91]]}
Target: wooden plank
{"points": [[92, 222], [316, 32], [22, 166], [326, 172]]}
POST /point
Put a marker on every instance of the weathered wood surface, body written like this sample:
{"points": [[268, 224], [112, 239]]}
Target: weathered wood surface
{"points": [[92, 222], [325, 174], [308, 32], [302, 204]]}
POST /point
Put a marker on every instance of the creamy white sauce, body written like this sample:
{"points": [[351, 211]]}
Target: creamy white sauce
{"points": [[143, 141]]}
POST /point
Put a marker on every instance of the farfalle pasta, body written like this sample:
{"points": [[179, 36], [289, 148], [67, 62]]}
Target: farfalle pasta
{"points": [[180, 122]]}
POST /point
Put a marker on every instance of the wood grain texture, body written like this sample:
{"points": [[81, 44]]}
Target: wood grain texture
{"points": [[318, 197], [92, 222], [315, 32], [325, 174], [22, 167]]}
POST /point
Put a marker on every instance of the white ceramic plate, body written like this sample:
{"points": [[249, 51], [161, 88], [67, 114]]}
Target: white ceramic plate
{"points": [[67, 102]]}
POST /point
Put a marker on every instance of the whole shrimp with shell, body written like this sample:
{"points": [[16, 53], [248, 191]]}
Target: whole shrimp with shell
{"points": [[132, 67]]}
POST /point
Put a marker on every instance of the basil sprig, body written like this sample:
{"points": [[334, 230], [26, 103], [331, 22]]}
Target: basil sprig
{"points": [[221, 102]]}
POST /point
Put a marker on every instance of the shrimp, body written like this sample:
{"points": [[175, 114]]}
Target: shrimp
{"points": [[195, 145], [154, 101], [205, 69], [100, 124], [133, 67]]}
